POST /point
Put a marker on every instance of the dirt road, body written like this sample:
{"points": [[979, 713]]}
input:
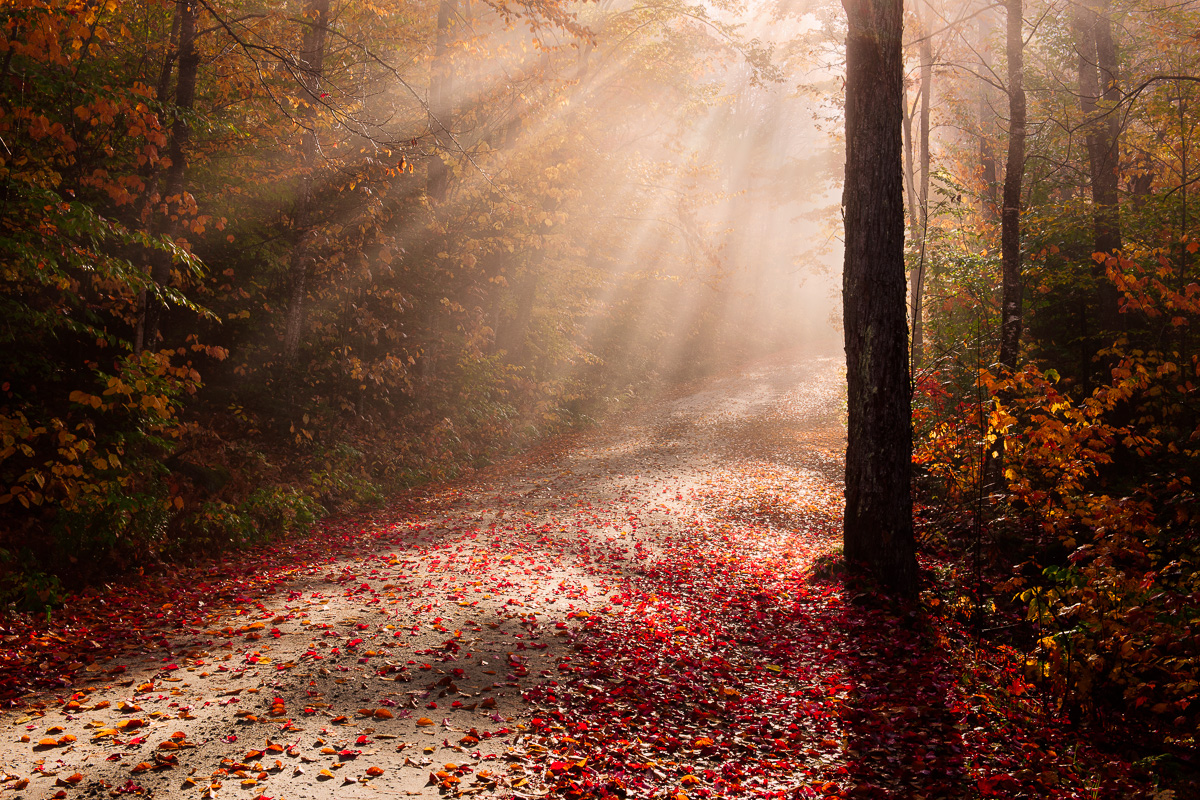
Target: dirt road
{"points": [[586, 619]]}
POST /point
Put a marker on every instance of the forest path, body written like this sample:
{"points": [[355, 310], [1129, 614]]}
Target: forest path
{"points": [[445, 611], [628, 612]]}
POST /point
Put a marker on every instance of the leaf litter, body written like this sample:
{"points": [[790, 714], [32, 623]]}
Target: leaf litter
{"points": [[632, 613]]}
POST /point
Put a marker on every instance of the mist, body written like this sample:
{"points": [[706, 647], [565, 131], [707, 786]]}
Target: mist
{"points": [[682, 167]]}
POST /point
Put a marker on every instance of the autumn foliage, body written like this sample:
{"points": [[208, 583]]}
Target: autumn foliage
{"points": [[1065, 487], [232, 302]]}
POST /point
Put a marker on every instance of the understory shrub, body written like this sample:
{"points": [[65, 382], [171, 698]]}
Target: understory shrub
{"points": [[1096, 510]]}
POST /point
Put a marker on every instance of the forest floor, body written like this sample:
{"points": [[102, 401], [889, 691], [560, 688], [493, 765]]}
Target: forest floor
{"points": [[642, 610]]}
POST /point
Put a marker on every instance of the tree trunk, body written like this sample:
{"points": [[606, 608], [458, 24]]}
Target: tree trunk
{"points": [[917, 276], [1010, 232], [514, 338], [878, 531], [150, 318], [987, 118], [1014, 173], [441, 103], [1098, 82], [311, 66], [910, 165]]}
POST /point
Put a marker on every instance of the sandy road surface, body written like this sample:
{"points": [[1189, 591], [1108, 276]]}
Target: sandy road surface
{"points": [[416, 659]]}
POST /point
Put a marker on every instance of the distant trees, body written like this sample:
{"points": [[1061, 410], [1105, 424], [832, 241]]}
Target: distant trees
{"points": [[1055, 418], [329, 249]]}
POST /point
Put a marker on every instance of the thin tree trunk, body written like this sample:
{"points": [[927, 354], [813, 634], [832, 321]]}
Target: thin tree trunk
{"points": [[1098, 82], [878, 531], [312, 60], [917, 276], [1014, 173], [910, 166], [174, 181], [163, 95], [987, 118], [1109, 235], [1183, 184], [164, 74], [441, 103], [1010, 231], [515, 338]]}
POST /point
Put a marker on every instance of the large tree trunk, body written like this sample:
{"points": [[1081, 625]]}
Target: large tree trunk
{"points": [[311, 67], [1014, 174], [1098, 82], [878, 522], [174, 181], [441, 103]]}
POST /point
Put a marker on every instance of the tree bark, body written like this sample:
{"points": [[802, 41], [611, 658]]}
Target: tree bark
{"points": [[441, 104], [990, 210], [311, 67], [910, 164], [917, 276], [1099, 94], [174, 181], [1014, 174], [878, 532]]}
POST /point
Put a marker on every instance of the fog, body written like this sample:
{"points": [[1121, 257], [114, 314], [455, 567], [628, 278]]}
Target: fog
{"points": [[683, 162]]}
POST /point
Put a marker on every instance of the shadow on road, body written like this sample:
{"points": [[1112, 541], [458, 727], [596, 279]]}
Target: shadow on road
{"points": [[900, 720]]}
